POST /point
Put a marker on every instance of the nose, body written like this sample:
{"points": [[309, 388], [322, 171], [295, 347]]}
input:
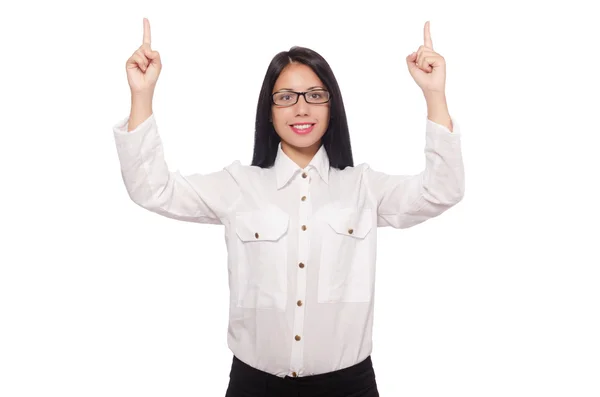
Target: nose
{"points": [[302, 106]]}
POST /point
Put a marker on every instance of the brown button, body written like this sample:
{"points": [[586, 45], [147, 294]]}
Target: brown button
{"points": [[301, 265], [298, 337], [303, 227], [299, 303], [303, 198], [295, 375], [350, 230], [304, 175], [256, 235]]}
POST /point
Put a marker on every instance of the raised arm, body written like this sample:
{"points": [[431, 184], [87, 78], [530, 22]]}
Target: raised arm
{"points": [[202, 198], [407, 200]]}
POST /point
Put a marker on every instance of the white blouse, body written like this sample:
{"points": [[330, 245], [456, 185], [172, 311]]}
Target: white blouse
{"points": [[301, 242]]}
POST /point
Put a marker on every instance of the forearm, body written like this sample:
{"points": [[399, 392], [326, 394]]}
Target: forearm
{"points": [[141, 109], [437, 110]]}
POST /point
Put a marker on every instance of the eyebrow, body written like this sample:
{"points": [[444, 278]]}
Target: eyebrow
{"points": [[308, 89]]}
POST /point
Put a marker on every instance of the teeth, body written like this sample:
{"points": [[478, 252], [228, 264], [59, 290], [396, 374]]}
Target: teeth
{"points": [[302, 126]]}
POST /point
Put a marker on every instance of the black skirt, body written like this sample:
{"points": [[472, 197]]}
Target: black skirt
{"points": [[355, 381]]}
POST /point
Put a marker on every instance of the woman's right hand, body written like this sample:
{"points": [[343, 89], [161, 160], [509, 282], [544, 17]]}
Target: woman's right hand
{"points": [[143, 67]]}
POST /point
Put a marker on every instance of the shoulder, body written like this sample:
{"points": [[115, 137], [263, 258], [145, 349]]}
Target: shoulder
{"points": [[349, 177], [351, 171], [236, 168]]}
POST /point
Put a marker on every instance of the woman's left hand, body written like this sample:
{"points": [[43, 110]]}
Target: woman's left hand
{"points": [[427, 67]]}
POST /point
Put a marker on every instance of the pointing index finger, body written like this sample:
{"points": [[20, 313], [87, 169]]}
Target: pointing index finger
{"points": [[146, 32], [427, 35]]}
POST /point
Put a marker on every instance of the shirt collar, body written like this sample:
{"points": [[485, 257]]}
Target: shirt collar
{"points": [[286, 168]]}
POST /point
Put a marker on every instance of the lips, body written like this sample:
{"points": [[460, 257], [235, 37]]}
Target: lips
{"points": [[302, 131]]}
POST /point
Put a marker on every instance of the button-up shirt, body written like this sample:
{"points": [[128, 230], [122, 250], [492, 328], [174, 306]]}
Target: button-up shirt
{"points": [[301, 242]]}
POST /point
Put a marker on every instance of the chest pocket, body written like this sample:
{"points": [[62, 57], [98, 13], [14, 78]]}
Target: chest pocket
{"points": [[347, 270], [261, 258]]}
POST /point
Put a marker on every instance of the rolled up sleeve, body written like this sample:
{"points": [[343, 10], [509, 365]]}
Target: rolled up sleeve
{"points": [[407, 200], [200, 198]]}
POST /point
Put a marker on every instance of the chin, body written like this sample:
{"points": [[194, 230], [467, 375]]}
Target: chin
{"points": [[303, 141]]}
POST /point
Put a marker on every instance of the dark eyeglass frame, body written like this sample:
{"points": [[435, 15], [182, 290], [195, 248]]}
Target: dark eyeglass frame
{"points": [[298, 97]]}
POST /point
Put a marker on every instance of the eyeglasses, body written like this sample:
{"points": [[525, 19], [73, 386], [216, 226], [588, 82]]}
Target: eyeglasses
{"points": [[289, 98]]}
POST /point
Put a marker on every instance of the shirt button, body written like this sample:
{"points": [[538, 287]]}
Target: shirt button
{"points": [[304, 175], [303, 227], [299, 303], [350, 230], [301, 265], [303, 198], [256, 235], [297, 337], [295, 375]]}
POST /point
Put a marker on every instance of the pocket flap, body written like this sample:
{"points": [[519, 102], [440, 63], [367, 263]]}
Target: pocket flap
{"points": [[350, 222], [261, 225]]}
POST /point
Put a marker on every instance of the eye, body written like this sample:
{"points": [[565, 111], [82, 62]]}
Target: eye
{"points": [[283, 97]]}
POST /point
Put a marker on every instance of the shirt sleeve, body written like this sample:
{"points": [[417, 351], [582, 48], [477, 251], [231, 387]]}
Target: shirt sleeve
{"points": [[407, 200], [200, 198]]}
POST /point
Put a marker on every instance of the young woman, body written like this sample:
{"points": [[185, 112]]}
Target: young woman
{"points": [[300, 221]]}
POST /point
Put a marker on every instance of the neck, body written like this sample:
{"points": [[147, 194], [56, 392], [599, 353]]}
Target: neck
{"points": [[300, 155]]}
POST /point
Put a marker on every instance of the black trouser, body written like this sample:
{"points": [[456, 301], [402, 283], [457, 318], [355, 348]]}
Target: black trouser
{"points": [[355, 381]]}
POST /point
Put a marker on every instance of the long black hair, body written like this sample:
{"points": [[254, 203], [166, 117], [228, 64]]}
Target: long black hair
{"points": [[336, 138]]}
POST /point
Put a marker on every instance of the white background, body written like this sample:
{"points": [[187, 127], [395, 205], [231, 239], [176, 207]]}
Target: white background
{"points": [[497, 297]]}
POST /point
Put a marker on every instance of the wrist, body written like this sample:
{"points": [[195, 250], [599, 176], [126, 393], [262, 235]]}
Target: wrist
{"points": [[437, 109], [142, 98], [435, 96]]}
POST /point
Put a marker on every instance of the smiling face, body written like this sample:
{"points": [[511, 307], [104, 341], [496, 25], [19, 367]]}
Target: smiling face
{"points": [[300, 78]]}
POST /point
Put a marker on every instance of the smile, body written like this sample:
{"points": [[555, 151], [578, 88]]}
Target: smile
{"points": [[302, 128]]}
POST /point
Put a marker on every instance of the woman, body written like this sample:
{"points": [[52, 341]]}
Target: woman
{"points": [[300, 222]]}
